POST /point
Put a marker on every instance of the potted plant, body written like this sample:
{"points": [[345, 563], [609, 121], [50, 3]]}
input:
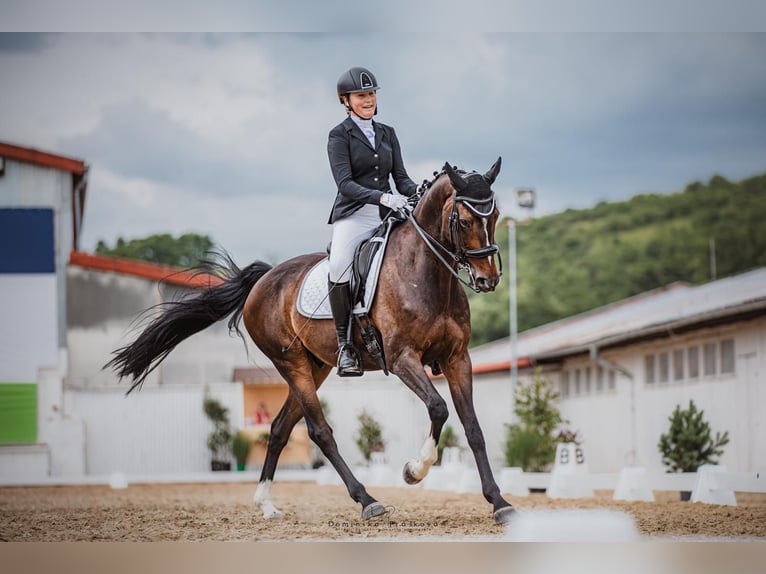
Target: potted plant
{"points": [[220, 438], [530, 443], [688, 444], [240, 446], [369, 436]]}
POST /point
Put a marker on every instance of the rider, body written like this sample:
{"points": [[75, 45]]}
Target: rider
{"points": [[363, 155]]}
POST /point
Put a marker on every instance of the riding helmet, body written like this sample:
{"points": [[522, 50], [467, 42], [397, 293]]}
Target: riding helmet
{"points": [[356, 79]]}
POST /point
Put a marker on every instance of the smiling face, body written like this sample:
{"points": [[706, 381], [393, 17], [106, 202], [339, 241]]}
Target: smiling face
{"points": [[363, 104]]}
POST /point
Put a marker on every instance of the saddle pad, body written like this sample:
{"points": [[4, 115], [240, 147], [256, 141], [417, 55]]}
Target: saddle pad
{"points": [[313, 301]]}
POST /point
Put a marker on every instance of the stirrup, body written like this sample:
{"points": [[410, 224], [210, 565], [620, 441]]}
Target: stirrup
{"points": [[350, 370]]}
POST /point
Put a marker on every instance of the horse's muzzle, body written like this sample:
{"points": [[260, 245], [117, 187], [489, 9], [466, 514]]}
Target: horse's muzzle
{"points": [[486, 284]]}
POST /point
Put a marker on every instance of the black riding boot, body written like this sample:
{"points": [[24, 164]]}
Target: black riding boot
{"points": [[340, 303]]}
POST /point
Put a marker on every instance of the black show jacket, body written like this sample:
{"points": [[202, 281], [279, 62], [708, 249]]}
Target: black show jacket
{"points": [[361, 172]]}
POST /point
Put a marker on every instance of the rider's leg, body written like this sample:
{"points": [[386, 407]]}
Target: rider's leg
{"points": [[347, 234], [340, 303]]}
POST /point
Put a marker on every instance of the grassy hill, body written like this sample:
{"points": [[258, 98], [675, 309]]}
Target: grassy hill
{"points": [[581, 259]]}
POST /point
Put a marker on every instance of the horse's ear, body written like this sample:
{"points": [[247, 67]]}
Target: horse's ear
{"points": [[457, 182], [491, 175]]}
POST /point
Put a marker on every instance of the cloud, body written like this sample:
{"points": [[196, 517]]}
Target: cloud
{"points": [[228, 131]]}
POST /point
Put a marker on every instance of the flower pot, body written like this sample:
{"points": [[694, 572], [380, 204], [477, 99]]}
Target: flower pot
{"points": [[240, 466], [686, 495], [220, 465]]}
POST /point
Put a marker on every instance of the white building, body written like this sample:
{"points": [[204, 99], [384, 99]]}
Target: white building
{"points": [[622, 369]]}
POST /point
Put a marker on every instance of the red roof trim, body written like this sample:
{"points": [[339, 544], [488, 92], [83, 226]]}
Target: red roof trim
{"points": [[521, 363], [42, 158], [151, 271]]}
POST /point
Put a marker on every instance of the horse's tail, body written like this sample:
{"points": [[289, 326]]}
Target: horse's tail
{"points": [[178, 320]]}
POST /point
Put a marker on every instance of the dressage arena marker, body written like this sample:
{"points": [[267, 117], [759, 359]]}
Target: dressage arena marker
{"points": [[118, 480], [571, 526], [633, 485], [570, 464]]}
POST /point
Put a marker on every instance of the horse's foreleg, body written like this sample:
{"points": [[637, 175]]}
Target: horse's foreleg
{"points": [[409, 369], [460, 379]]}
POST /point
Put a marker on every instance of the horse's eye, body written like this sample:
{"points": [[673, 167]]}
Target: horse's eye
{"points": [[465, 223]]}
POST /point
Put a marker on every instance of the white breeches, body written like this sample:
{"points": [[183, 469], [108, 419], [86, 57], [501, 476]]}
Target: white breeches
{"points": [[347, 234]]}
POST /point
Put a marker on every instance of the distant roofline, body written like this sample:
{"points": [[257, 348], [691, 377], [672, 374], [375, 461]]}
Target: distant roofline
{"points": [[42, 158], [145, 270]]}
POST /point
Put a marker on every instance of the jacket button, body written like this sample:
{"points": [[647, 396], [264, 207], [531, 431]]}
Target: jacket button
{"points": [[377, 168], [374, 179], [375, 155]]}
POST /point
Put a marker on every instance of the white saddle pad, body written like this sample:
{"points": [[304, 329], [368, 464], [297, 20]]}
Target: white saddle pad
{"points": [[313, 300]]}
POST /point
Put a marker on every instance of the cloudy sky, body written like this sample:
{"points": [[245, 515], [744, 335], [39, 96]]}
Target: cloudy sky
{"points": [[225, 134]]}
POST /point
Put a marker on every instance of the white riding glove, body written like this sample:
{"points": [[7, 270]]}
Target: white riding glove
{"points": [[395, 202]]}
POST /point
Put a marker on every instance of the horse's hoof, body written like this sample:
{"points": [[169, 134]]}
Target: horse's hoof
{"points": [[273, 515], [504, 515], [372, 510], [409, 478]]}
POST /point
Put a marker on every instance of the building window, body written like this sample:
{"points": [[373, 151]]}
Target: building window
{"points": [[577, 381], [664, 367], [565, 384], [709, 359], [678, 365], [599, 379], [649, 375], [693, 360], [727, 356]]}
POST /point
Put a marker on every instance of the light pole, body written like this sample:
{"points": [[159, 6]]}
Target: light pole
{"points": [[525, 198]]}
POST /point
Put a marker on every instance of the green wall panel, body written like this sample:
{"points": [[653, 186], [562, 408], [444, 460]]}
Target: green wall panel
{"points": [[18, 413]]}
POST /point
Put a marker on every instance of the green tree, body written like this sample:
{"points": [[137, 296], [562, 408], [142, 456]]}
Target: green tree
{"points": [[184, 251], [530, 443], [688, 444]]}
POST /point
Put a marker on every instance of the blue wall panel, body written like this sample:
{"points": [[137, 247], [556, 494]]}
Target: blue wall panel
{"points": [[26, 241]]}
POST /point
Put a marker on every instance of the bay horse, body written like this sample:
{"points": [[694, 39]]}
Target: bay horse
{"points": [[420, 308]]}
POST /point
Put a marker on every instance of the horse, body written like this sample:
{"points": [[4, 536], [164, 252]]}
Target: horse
{"points": [[420, 309]]}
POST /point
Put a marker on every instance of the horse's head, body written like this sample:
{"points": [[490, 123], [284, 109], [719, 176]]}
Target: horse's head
{"points": [[462, 211]]}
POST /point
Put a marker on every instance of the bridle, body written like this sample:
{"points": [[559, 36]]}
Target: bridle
{"points": [[458, 254]]}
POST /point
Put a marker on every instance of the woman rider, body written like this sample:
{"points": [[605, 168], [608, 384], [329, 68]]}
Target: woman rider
{"points": [[363, 156]]}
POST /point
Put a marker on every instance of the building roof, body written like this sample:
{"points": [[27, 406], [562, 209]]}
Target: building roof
{"points": [[674, 309], [257, 376], [76, 167], [145, 270], [42, 158]]}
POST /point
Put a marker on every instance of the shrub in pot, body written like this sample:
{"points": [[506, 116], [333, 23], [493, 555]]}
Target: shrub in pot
{"points": [[240, 446], [220, 438], [689, 443]]}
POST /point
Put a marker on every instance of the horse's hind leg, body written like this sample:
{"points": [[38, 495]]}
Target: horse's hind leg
{"points": [[289, 415], [459, 377], [296, 368], [281, 427]]}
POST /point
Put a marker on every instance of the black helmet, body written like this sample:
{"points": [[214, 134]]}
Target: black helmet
{"points": [[356, 79]]}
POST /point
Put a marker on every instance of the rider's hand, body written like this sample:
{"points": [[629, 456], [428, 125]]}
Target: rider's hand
{"points": [[395, 202]]}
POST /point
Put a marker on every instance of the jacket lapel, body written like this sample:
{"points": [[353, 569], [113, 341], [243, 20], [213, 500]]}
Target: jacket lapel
{"points": [[356, 132]]}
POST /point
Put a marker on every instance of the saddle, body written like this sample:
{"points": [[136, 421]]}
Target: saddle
{"points": [[313, 301]]}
